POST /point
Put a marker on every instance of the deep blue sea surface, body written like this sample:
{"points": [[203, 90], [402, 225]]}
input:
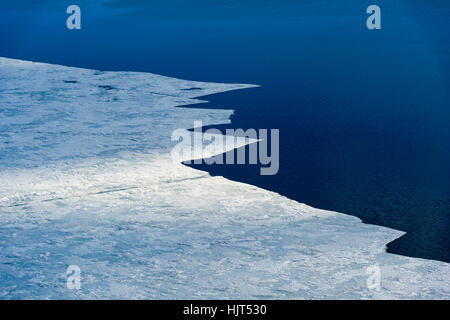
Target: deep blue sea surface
{"points": [[364, 115]]}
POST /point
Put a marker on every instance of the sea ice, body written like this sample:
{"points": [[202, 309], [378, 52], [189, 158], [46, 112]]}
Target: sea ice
{"points": [[87, 180]]}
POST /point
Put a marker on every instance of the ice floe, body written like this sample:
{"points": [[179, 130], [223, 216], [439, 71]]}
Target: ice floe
{"points": [[87, 179]]}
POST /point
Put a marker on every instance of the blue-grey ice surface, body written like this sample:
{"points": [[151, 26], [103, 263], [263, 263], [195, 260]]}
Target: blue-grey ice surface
{"points": [[87, 179]]}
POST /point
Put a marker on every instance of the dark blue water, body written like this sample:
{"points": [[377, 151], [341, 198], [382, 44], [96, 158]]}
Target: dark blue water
{"points": [[364, 116]]}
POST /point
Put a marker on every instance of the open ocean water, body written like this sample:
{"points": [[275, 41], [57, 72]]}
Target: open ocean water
{"points": [[364, 115]]}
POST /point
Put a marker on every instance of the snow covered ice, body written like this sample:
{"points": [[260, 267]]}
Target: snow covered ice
{"points": [[87, 179]]}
